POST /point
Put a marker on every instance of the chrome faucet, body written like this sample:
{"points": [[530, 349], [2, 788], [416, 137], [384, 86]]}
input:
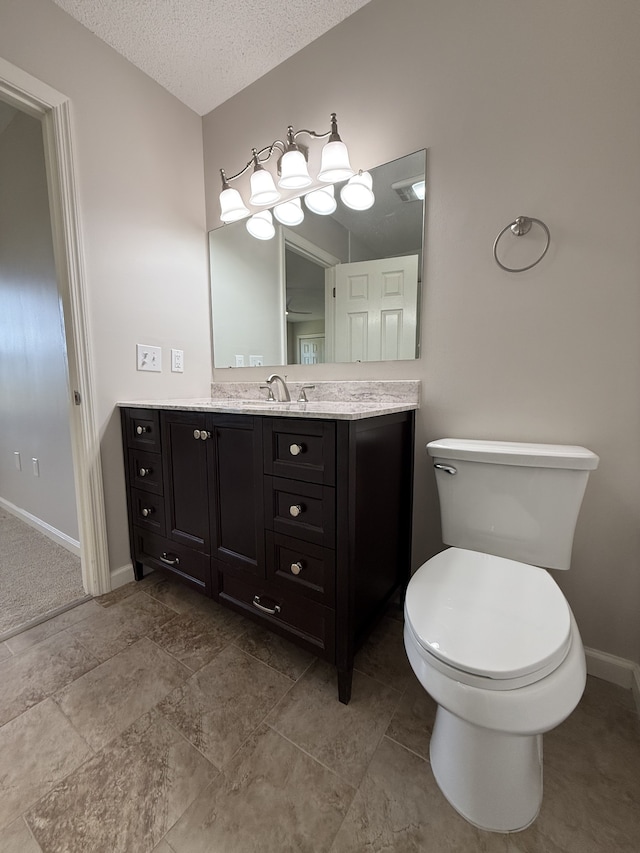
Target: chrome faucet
{"points": [[283, 391]]}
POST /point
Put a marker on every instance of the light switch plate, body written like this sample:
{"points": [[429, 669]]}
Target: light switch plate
{"points": [[149, 358]]}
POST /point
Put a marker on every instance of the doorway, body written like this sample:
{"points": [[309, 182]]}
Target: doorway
{"points": [[38, 100]]}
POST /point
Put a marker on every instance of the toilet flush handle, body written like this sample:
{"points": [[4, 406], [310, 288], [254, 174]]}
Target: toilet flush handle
{"points": [[448, 468]]}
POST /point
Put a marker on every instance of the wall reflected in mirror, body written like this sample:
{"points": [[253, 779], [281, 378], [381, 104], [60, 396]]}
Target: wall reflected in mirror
{"points": [[337, 288]]}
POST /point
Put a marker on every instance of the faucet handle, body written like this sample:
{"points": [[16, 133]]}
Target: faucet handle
{"points": [[302, 397], [270, 390]]}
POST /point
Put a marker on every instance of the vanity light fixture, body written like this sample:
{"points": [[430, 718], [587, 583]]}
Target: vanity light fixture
{"points": [[289, 212], [261, 225], [357, 193], [292, 166], [321, 201]]}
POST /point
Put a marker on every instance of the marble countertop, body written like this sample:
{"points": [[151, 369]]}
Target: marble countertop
{"points": [[356, 400]]}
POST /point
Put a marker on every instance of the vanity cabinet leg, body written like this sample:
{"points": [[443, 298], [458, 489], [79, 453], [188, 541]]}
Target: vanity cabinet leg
{"points": [[345, 677], [138, 571]]}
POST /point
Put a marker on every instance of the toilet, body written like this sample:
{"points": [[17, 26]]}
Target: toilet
{"points": [[487, 630]]}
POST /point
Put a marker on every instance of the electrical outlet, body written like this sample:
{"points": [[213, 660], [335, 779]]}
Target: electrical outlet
{"points": [[256, 360], [177, 361], [239, 361], [149, 358]]}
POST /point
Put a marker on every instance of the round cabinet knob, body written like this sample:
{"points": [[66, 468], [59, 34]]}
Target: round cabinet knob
{"points": [[204, 435], [144, 472], [196, 433], [296, 510], [296, 449], [142, 429], [296, 568], [146, 511]]}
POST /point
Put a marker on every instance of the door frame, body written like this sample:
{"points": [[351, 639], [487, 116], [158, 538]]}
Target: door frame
{"points": [[53, 109]]}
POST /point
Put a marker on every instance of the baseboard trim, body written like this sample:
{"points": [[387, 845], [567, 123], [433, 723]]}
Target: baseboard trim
{"points": [[616, 670], [57, 536], [121, 576]]}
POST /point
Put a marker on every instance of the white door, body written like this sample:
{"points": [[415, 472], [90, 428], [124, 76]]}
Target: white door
{"points": [[376, 309], [311, 349]]}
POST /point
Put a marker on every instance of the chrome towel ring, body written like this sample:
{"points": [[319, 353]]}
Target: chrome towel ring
{"points": [[520, 226]]}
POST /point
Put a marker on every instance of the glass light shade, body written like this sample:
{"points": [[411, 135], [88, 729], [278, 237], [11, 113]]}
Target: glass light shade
{"points": [[232, 207], [289, 212], [321, 201], [263, 189], [294, 174], [261, 225], [334, 165], [358, 193]]}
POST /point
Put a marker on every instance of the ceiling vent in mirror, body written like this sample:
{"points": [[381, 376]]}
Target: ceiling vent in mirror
{"points": [[410, 189]]}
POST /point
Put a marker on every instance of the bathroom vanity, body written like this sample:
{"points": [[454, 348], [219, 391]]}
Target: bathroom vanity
{"points": [[296, 515]]}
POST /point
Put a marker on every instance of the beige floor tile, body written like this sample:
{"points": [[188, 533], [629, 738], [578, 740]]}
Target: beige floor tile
{"points": [[53, 626], [221, 705], [107, 700], [127, 590], [17, 838], [194, 638], [125, 798], [182, 599], [37, 749], [342, 737], [30, 677], [412, 723], [274, 650], [271, 799], [163, 847], [399, 807], [5, 651], [383, 655], [115, 628]]}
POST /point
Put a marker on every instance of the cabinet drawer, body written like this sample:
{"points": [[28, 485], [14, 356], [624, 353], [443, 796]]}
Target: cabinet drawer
{"points": [[308, 569], [311, 624], [183, 563], [142, 429], [145, 471], [301, 450], [147, 510], [302, 510]]}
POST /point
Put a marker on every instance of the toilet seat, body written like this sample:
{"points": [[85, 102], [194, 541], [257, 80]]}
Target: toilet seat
{"points": [[488, 621]]}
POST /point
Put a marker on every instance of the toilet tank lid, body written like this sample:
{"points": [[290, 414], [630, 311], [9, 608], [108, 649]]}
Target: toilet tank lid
{"points": [[515, 453]]}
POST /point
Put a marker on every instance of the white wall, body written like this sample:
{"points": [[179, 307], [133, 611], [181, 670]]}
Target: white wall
{"points": [[526, 108], [34, 415], [141, 189]]}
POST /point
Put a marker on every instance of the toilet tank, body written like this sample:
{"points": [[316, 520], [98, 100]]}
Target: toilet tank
{"points": [[515, 500]]}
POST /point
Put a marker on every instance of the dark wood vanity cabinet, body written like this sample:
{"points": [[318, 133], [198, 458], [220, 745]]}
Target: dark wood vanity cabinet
{"points": [[302, 524]]}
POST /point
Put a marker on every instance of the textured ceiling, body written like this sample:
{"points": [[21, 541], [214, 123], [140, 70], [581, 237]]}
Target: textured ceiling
{"points": [[205, 51]]}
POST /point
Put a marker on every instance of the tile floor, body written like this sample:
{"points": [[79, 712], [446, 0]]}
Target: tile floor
{"points": [[154, 720]]}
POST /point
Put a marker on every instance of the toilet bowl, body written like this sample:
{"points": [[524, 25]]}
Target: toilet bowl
{"points": [[488, 632], [500, 681]]}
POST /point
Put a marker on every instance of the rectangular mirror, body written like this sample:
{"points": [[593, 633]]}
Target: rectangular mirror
{"points": [[337, 288]]}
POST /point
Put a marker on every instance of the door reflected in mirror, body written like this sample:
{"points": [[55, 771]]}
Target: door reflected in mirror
{"points": [[337, 288]]}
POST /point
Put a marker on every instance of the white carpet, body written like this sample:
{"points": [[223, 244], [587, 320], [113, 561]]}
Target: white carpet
{"points": [[36, 575]]}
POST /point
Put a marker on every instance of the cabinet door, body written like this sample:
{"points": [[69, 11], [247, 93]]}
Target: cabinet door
{"points": [[187, 458], [237, 516]]}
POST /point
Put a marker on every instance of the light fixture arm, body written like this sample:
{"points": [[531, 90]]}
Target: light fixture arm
{"points": [[257, 158]]}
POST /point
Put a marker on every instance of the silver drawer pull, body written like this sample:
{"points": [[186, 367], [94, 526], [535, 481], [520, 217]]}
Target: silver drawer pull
{"points": [[170, 561], [296, 449], [272, 611], [144, 472], [196, 433], [146, 511], [296, 510], [448, 468], [142, 429], [296, 568]]}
